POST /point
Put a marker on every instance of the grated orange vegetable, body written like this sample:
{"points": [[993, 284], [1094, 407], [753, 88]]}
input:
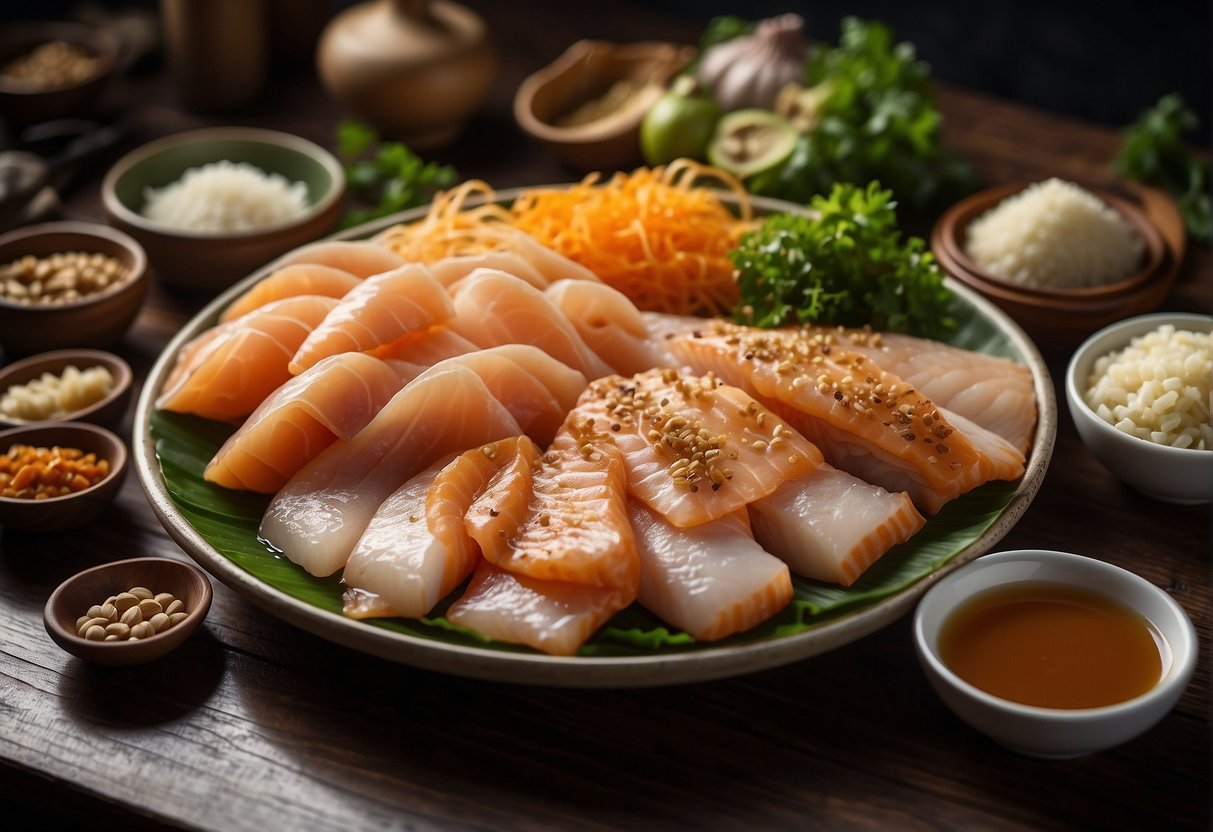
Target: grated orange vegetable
{"points": [[655, 234]]}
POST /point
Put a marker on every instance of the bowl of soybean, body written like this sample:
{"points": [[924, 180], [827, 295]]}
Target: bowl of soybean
{"points": [[118, 613], [1053, 654]]}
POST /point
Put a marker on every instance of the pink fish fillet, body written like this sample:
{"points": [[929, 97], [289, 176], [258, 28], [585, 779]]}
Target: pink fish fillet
{"points": [[494, 308], [831, 526], [418, 351], [556, 617], [361, 258], [228, 371], [287, 282], [332, 400], [450, 270], [610, 324], [712, 580], [318, 516], [376, 312]]}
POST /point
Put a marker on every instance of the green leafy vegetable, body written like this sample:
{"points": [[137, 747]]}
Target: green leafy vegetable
{"points": [[1155, 152], [387, 175], [878, 121], [845, 265]]}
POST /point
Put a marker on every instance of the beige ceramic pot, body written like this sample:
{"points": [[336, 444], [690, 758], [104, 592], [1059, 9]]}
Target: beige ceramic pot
{"points": [[413, 69]]}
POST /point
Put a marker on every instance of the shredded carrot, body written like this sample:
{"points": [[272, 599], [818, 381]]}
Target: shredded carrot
{"points": [[657, 234]]}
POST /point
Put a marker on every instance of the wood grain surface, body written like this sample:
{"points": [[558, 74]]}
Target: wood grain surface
{"points": [[255, 725]]}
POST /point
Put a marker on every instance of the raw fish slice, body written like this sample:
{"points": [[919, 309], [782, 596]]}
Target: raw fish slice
{"points": [[322, 511], [416, 550], [494, 308], [831, 526], [361, 258], [712, 580], [994, 392], [333, 400], [376, 312], [501, 504], [610, 324], [866, 421], [538, 389], [450, 270], [419, 351], [551, 616], [233, 367], [695, 450], [576, 527], [297, 279]]}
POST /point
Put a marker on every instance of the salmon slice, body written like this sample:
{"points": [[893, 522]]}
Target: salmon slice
{"points": [[450, 270], [322, 511], [610, 324], [361, 258], [576, 527], [416, 549], [695, 450], [418, 351], [831, 526], [228, 371], [287, 282], [554, 617], [993, 392], [494, 308], [376, 312], [865, 420], [318, 516], [333, 400], [501, 504], [712, 580]]}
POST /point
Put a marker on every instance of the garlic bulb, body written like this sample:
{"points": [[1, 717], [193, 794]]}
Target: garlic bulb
{"points": [[749, 71]]}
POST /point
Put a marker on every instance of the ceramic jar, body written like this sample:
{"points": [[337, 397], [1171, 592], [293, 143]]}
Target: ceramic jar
{"points": [[414, 70]]}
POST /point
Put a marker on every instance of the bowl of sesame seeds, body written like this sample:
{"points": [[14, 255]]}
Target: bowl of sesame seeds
{"points": [[53, 69]]}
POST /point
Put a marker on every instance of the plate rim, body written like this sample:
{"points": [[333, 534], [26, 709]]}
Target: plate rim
{"points": [[496, 665]]}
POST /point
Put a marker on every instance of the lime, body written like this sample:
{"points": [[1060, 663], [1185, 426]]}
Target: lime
{"points": [[747, 142], [679, 124]]}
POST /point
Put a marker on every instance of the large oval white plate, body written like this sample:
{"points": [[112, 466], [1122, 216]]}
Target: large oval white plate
{"points": [[488, 662]]}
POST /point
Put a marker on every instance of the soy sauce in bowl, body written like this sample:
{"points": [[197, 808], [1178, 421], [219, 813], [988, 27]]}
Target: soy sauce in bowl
{"points": [[1053, 646]]}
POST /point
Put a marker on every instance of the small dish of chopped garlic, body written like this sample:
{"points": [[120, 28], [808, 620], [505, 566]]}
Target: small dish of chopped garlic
{"points": [[65, 385]]}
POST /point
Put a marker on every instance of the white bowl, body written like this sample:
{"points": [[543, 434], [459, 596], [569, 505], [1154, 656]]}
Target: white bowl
{"points": [[1174, 475], [1053, 732]]}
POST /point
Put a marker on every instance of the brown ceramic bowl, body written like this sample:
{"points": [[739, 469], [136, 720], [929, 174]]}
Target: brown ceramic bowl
{"points": [[21, 104], [586, 71], [57, 513], [107, 412], [207, 262], [1068, 315], [74, 596], [94, 320]]}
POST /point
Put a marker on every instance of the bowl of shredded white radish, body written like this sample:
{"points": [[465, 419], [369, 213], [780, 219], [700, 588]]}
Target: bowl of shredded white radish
{"points": [[211, 205], [1139, 394]]}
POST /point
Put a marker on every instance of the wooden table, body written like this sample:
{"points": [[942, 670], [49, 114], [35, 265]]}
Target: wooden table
{"points": [[257, 725]]}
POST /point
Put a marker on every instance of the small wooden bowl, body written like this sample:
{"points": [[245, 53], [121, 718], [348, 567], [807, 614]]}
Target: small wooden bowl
{"points": [[94, 320], [1068, 315], [107, 412], [586, 71], [23, 105], [57, 513], [74, 596]]}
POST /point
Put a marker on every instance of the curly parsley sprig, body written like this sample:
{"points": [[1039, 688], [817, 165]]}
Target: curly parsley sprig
{"points": [[845, 264]]}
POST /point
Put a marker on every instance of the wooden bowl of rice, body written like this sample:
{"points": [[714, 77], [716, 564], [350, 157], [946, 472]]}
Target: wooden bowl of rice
{"points": [[1056, 263], [210, 206]]}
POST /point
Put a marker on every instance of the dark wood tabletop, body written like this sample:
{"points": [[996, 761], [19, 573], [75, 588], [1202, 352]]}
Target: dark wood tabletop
{"points": [[254, 724]]}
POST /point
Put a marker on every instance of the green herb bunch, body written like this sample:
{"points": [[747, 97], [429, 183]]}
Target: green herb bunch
{"points": [[879, 121], [845, 264], [386, 175], [1155, 152]]}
